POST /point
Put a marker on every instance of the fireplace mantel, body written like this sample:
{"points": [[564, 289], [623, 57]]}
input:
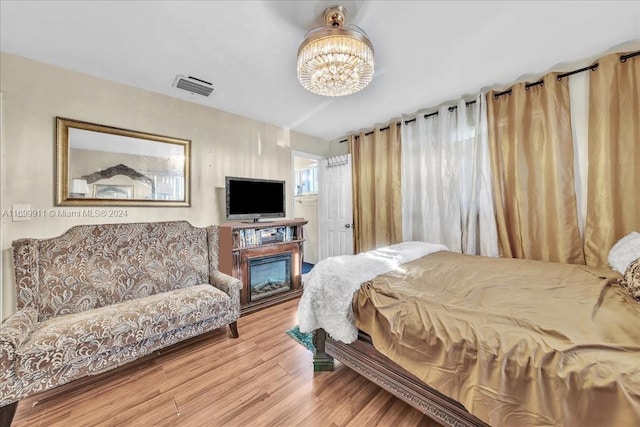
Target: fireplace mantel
{"points": [[245, 244]]}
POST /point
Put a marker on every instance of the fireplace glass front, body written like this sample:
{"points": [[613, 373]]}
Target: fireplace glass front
{"points": [[269, 276]]}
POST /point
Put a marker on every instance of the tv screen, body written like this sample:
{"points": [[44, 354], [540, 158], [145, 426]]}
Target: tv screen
{"points": [[252, 198]]}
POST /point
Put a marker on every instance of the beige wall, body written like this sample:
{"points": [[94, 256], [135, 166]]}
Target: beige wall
{"points": [[33, 94]]}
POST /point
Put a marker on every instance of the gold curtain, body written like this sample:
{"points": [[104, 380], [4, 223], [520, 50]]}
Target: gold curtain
{"points": [[613, 175], [531, 152], [377, 188]]}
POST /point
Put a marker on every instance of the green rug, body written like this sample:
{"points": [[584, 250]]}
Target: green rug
{"points": [[303, 338]]}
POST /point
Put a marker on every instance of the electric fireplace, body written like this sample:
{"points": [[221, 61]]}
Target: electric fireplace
{"points": [[266, 257], [270, 275]]}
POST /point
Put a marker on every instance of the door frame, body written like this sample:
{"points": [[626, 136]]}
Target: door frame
{"points": [[305, 155]]}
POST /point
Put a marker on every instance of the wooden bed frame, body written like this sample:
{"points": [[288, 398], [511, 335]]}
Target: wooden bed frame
{"points": [[363, 358]]}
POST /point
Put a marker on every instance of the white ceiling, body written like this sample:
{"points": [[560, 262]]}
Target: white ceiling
{"points": [[426, 52]]}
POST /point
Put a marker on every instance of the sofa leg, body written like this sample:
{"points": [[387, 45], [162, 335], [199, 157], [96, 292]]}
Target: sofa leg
{"points": [[7, 413], [233, 327]]}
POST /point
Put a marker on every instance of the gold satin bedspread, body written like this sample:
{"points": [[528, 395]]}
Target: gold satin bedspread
{"points": [[517, 342]]}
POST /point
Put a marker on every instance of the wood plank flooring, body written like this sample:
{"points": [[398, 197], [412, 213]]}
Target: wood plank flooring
{"points": [[263, 378]]}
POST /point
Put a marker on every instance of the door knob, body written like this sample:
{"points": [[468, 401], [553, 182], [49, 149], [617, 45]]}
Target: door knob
{"points": [[347, 226]]}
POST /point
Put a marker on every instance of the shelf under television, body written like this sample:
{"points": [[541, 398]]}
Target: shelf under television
{"points": [[237, 259]]}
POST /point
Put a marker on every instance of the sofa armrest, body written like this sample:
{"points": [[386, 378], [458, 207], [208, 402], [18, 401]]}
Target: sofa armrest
{"points": [[229, 285], [14, 331]]}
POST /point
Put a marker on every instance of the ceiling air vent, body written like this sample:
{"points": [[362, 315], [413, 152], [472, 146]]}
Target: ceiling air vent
{"points": [[193, 85]]}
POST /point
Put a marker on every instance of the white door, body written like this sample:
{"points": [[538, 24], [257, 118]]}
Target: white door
{"points": [[335, 209]]}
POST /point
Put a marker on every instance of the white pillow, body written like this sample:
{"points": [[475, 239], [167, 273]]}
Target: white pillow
{"points": [[624, 252]]}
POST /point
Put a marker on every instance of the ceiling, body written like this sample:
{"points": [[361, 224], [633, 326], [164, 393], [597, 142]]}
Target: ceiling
{"points": [[426, 52]]}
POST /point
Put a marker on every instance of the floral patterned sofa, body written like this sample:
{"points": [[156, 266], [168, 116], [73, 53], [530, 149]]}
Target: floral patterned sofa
{"points": [[100, 296]]}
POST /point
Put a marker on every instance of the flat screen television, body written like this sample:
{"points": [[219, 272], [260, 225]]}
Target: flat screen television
{"points": [[253, 198]]}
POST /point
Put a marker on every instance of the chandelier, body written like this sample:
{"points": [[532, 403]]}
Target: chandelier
{"points": [[335, 60]]}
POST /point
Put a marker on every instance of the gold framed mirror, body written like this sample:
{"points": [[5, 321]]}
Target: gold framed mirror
{"points": [[99, 165]]}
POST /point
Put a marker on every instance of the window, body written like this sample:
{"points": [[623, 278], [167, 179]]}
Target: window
{"points": [[307, 181]]}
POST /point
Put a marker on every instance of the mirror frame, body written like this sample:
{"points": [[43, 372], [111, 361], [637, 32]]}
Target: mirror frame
{"points": [[62, 165]]}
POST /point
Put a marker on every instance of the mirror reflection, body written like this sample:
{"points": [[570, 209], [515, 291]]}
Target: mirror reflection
{"points": [[102, 165]]}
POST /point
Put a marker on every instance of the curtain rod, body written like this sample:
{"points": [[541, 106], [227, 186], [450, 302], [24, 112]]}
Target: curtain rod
{"points": [[370, 133], [593, 67], [426, 116], [381, 129], [571, 73], [623, 58], [435, 113], [526, 86]]}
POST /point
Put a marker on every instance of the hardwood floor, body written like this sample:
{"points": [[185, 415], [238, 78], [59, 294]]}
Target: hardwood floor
{"points": [[263, 378]]}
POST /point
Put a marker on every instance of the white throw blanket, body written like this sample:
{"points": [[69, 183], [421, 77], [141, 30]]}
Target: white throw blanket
{"points": [[624, 252], [329, 287]]}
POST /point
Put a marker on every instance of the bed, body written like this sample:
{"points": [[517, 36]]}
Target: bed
{"points": [[474, 341]]}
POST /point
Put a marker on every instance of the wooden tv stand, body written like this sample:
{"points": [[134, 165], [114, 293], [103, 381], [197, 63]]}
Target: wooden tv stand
{"points": [[244, 246]]}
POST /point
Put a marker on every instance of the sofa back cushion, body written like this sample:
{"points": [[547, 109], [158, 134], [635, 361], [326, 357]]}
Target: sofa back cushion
{"points": [[97, 265]]}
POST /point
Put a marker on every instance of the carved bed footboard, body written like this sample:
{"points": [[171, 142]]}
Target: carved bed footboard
{"points": [[362, 357]]}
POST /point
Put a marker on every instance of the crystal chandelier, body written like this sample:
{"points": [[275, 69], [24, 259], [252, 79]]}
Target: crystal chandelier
{"points": [[335, 60]]}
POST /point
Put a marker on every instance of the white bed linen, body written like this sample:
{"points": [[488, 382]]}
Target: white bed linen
{"points": [[329, 286]]}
